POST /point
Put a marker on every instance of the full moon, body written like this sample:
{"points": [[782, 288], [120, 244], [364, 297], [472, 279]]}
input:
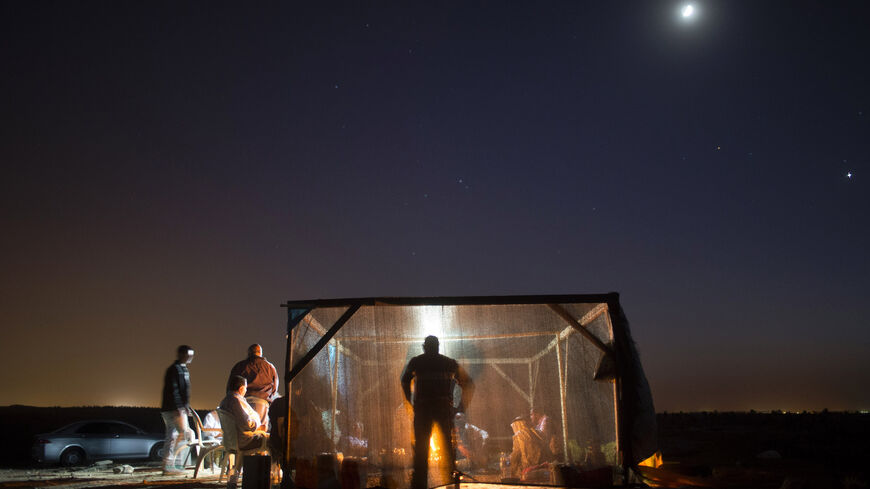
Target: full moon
{"points": [[688, 10]]}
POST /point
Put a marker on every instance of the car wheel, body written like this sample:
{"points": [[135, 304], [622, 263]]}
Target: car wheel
{"points": [[72, 456], [156, 451]]}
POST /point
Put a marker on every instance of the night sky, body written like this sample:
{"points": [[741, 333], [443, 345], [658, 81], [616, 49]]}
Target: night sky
{"points": [[172, 172]]}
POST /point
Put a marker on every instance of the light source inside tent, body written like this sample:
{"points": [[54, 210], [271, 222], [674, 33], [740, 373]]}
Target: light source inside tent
{"points": [[436, 447], [429, 318], [519, 355]]}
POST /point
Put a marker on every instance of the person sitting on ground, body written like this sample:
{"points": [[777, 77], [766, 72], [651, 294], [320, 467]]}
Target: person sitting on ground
{"points": [[250, 431], [529, 448], [470, 443], [262, 379], [541, 423], [356, 443]]}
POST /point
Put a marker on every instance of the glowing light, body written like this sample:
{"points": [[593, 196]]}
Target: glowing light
{"points": [[687, 11], [429, 319], [436, 446], [848, 174]]}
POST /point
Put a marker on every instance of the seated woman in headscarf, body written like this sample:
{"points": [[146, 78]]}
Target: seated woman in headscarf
{"points": [[529, 448]]}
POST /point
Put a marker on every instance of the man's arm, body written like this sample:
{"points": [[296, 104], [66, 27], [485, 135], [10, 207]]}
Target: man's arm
{"points": [[274, 382], [247, 419], [407, 375], [175, 377], [467, 385]]}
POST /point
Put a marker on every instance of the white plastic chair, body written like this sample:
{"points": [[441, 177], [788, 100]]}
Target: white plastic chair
{"points": [[197, 441], [231, 446]]}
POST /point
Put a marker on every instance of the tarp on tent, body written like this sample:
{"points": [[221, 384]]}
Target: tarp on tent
{"points": [[570, 357]]}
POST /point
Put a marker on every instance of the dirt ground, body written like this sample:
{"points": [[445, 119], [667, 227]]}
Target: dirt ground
{"points": [[735, 450], [144, 474]]}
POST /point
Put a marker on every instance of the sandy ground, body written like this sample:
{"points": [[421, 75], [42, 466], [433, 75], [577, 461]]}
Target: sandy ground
{"points": [[144, 474]]}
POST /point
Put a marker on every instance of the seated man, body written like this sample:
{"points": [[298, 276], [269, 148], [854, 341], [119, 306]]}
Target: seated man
{"points": [[470, 443], [278, 440], [250, 431], [355, 444], [529, 448], [541, 423]]}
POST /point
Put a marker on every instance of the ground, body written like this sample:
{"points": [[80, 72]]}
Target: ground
{"points": [[734, 450], [144, 474]]}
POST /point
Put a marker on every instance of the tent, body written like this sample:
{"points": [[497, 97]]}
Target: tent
{"points": [[570, 357]]}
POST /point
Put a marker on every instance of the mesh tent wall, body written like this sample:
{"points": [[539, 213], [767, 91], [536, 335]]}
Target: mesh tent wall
{"points": [[568, 356]]}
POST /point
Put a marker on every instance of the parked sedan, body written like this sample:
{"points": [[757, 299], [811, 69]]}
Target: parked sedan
{"points": [[76, 443]]}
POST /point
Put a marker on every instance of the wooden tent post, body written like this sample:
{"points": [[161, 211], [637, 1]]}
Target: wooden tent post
{"points": [[562, 401]]}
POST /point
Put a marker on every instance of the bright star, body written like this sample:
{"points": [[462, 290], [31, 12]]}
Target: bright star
{"points": [[848, 174], [687, 11]]}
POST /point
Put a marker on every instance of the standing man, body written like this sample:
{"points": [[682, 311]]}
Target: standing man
{"points": [[434, 377], [262, 379], [175, 407]]}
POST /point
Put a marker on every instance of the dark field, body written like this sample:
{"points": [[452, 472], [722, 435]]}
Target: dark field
{"points": [[824, 449]]}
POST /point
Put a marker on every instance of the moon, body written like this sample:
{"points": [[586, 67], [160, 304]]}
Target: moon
{"points": [[688, 11]]}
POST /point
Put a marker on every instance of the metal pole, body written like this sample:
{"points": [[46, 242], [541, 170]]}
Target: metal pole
{"points": [[294, 317], [335, 393], [531, 388], [562, 400], [620, 422]]}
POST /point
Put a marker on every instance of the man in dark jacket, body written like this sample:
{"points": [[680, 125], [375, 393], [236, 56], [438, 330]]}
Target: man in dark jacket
{"points": [[434, 376], [262, 379], [175, 407]]}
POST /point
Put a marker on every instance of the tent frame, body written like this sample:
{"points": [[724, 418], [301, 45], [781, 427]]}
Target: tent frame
{"points": [[297, 311]]}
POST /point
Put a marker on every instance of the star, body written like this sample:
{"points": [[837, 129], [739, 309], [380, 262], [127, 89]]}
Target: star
{"points": [[849, 175]]}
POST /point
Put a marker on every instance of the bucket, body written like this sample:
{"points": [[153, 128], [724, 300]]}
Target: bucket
{"points": [[256, 472]]}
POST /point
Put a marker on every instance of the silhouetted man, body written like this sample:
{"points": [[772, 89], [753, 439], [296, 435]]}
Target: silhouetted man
{"points": [[175, 407], [262, 379], [434, 377]]}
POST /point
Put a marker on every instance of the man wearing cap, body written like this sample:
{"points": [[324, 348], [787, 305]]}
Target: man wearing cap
{"points": [[175, 407]]}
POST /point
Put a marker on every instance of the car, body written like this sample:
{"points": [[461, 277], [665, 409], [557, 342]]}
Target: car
{"points": [[83, 441]]}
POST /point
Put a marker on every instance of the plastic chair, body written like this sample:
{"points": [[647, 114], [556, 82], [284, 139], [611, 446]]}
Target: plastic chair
{"points": [[231, 446], [198, 442], [213, 453], [217, 456]]}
